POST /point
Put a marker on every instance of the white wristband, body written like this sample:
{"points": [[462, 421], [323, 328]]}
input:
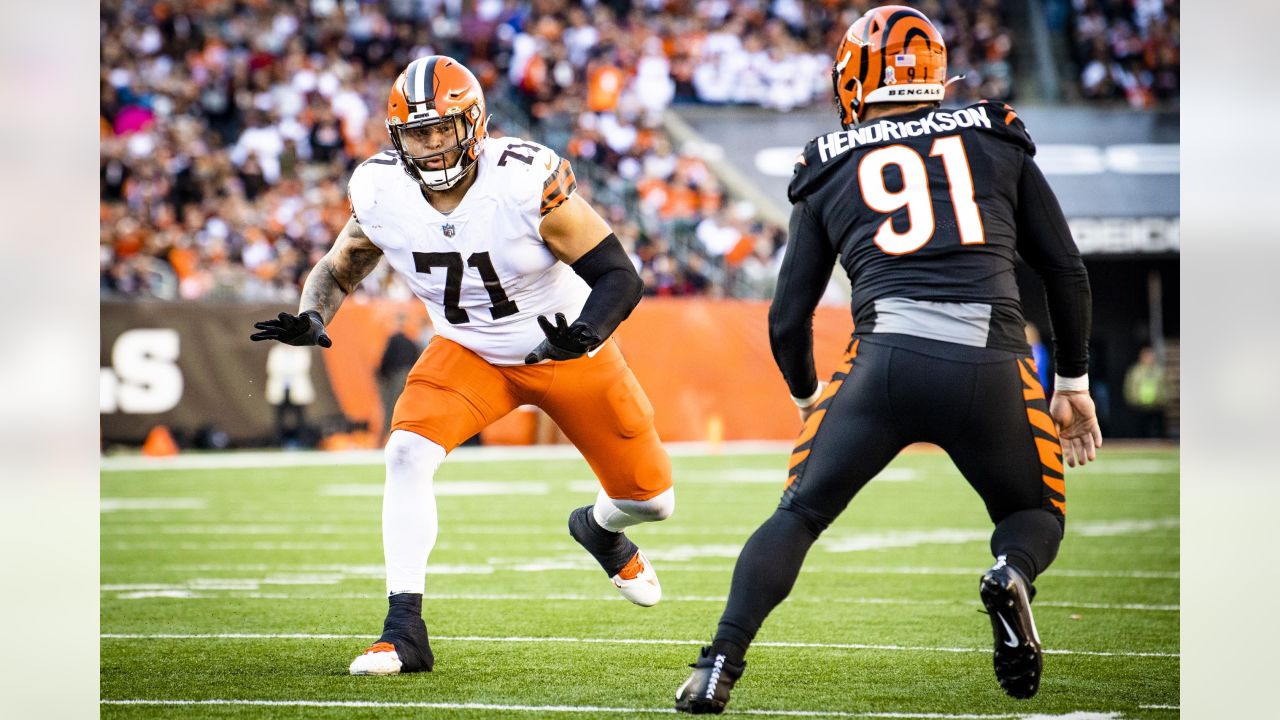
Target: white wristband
{"points": [[1075, 384], [806, 402]]}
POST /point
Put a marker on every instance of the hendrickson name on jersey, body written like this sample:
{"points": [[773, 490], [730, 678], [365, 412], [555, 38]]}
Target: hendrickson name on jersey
{"points": [[836, 143]]}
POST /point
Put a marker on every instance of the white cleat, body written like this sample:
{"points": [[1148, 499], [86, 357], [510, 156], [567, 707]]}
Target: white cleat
{"points": [[379, 659], [638, 582]]}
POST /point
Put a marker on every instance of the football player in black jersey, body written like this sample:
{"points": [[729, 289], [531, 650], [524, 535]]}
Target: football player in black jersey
{"points": [[926, 210]]}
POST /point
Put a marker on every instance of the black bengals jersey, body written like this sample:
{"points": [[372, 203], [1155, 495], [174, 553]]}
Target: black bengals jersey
{"points": [[927, 212]]}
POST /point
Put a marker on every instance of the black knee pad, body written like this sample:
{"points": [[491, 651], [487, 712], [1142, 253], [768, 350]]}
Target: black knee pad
{"points": [[814, 522]]}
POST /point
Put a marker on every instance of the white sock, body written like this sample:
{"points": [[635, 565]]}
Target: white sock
{"points": [[409, 523], [618, 515]]}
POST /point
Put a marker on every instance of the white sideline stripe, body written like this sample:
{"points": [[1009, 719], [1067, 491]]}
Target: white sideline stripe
{"points": [[115, 504], [776, 476], [1110, 606], [1125, 527], [444, 488], [1160, 707], [1078, 715], [140, 591], [605, 641], [304, 458], [959, 536]]}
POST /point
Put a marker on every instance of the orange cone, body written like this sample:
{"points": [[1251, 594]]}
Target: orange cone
{"points": [[159, 442]]}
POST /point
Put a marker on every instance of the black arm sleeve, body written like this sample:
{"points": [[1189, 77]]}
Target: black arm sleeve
{"points": [[615, 286], [1044, 241], [806, 269]]}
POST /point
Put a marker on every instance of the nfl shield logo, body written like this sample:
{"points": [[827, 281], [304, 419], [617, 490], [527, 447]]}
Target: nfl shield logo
{"points": [[449, 231]]}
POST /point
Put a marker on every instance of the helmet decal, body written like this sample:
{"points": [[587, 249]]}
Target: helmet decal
{"points": [[888, 46]]}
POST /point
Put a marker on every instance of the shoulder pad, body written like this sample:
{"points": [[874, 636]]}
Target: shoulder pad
{"points": [[367, 178], [539, 177], [1006, 124], [386, 157], [807, 169]]}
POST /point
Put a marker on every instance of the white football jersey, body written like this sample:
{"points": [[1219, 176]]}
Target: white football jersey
{"points": [[482, 270]]}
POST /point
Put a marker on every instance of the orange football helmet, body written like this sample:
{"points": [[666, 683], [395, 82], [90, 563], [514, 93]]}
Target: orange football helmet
{"points": [[890, 54], [437, 96]]}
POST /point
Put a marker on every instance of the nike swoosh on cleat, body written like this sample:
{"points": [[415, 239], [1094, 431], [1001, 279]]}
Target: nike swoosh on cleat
{"points": [[680, 692], [1013, 638]]}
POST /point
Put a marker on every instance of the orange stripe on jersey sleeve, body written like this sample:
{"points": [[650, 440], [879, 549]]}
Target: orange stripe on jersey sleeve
{"points": [[558, 187]]}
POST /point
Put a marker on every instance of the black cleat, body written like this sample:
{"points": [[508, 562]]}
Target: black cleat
{"points": [[707, 689], [404, 646], [1006, 593]]}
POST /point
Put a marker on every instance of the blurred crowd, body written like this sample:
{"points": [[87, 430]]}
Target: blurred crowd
{"points": [[229, 127], [1127, 50]]}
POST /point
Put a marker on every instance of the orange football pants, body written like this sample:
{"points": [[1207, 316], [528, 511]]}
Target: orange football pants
{"points": [[452, 394]]}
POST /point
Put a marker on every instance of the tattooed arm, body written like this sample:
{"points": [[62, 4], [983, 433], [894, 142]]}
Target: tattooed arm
{"points": [[352, 257]]}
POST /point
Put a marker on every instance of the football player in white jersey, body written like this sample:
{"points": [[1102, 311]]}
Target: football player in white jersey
{"points": [[489, 233]]}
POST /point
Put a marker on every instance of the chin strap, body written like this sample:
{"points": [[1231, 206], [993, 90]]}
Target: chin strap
{"points": [[448, 183]]}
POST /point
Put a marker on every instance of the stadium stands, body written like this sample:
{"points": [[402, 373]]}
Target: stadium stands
{"points": [[1127, 50], [227, 135], [228, 130]]}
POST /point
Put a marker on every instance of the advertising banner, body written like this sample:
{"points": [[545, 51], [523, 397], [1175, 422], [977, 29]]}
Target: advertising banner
{"points": [[705, 365]]}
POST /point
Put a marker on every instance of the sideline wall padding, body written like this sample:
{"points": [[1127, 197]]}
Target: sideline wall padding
{"points": [[705, 364]]}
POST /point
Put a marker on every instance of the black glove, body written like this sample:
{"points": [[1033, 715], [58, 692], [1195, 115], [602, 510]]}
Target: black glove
{"points": [[304, 329], [564, 341]]}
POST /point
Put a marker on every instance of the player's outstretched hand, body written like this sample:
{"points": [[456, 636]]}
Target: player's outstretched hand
{"points": [[304, 329], [564, 341], [1077, 426]]}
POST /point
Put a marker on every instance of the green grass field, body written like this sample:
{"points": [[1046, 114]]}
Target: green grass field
{"points": [[248, 590]]}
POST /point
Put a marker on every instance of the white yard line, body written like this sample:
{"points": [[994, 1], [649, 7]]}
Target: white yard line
{"points": [[1130, 466], [187, 591], [376, 570], [308, 458], [311, 458], [836, 542], [607, 641], [595, 709]]}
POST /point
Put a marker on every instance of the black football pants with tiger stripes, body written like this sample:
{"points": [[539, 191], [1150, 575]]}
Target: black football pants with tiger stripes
{"points": [[984, 407]]}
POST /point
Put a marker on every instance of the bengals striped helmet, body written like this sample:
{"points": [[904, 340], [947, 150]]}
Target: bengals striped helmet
{"points": [[891, 54], [436, 109]]}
